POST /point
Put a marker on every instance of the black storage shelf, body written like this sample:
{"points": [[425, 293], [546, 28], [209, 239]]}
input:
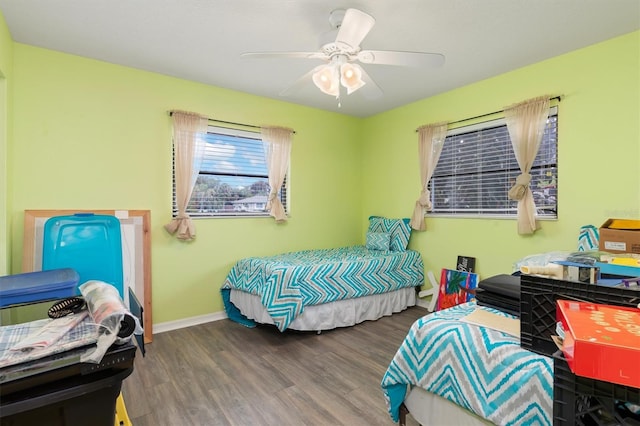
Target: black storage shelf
{"points": [[538, 298], [583, 401]]}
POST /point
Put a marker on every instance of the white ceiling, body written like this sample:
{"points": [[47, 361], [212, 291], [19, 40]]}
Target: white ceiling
{"points": [[201, 40]]}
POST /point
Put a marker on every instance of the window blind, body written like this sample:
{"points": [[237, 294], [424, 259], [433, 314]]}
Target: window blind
{"points": [[477, 167]]}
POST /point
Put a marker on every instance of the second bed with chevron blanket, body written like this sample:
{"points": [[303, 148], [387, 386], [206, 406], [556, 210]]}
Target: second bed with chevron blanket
{"points": [[287, 283], [483, 370]]}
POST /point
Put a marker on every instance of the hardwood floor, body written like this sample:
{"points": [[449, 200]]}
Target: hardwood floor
{"points": [[222, 373]]}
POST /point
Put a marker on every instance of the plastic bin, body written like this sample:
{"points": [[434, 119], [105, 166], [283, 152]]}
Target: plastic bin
{"points": [[89, 243], [583, 401], [538, 298], [38, 286], [88, 400], [61, 391]]}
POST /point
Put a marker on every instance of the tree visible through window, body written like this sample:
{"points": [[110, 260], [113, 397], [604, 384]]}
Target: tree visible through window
{"points": [[233, 178], [477, 167]]}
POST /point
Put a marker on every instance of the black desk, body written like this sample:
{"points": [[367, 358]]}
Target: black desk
{"points": [[60, 390]]}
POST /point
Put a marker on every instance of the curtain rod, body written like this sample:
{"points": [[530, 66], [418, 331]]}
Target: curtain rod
{"points": [[559, 98], [231, 122]]}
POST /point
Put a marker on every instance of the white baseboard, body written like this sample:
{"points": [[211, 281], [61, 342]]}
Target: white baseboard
{"points": [[188, 322], [419, 302]]}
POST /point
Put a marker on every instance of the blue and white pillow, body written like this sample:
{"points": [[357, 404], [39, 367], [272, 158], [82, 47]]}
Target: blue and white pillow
{"points": [[399, 229], [378, 241]]}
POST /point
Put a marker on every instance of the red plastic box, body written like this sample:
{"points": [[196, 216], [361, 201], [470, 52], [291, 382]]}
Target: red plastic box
{"points": [[601, 341]]}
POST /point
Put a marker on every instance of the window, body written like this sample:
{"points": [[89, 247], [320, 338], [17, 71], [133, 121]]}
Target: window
{"points": [[477, 167], [233, 178]]}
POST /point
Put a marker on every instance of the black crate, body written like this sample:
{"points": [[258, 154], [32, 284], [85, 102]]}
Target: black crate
{"points": [[582, 401], [538, 307]]}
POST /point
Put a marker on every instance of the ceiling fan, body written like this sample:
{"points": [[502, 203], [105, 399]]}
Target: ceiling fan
{"points": [[340, 50]]}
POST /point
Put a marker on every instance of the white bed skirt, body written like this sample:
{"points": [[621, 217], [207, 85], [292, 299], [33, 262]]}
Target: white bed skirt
{"points": [[430, 409], [343, 313]]}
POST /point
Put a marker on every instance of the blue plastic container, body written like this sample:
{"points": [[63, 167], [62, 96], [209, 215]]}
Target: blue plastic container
{"points": [[615, 269], [33, 287], [89, 243]]}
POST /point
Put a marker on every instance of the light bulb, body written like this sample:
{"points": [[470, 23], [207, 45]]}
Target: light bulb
{"points": [[351, 77], [327, 80]]}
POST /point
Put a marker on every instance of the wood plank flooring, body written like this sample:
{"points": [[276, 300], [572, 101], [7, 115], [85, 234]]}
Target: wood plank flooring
{"points": [[222, 373]]}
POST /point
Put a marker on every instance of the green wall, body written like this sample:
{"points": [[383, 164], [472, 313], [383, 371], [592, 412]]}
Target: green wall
{"points": [[6, 68], [92, 135], [89, 135], [598, 154]]}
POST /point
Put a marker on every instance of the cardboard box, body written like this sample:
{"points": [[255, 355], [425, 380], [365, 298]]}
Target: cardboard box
{"points": [[620, 236], [601, 342]]}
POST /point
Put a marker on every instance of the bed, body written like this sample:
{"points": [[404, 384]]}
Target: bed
{"points": [[447, 371], [322, 289], [327, 288]]}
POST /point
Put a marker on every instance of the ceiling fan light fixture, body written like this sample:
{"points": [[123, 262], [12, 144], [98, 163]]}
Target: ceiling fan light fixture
{"points": [[351, 77], [327, 80], [340, 47]]}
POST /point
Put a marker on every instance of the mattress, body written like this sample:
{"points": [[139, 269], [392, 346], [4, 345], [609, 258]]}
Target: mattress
{"points": [[289, 283], [483, 370]]}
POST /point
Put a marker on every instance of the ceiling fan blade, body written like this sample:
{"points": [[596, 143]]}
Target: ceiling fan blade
{"points": [[354, 28], [303, 55], [299, 83], [409, 59], [370, 90]]}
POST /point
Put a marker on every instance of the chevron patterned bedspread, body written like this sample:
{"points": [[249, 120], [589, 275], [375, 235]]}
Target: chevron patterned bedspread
{"points": [[288, 282], [480, 369]]}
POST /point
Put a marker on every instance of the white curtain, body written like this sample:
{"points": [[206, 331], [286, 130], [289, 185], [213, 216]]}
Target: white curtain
{"points": [[430, 141], [189, 130], [526, 122], [277, 148]]}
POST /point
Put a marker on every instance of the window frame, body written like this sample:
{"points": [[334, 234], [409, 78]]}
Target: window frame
{"points": [[284, 192], [488, 124]]}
